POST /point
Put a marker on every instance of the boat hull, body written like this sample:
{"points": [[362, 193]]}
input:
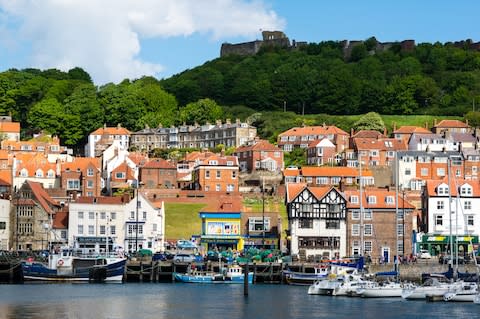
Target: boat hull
{"points": [[213, 279], [113, 272]]}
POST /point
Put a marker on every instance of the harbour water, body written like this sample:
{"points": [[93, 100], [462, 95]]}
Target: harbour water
{"points": [[138, 301]]}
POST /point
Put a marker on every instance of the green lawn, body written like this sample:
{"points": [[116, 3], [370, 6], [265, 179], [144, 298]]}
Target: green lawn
{"points": [[182, 220]]}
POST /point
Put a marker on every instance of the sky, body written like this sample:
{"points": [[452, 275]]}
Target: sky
{"points": [[118, 39]]}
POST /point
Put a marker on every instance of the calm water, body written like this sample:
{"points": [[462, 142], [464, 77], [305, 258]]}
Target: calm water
{"points": [[137, 301]]}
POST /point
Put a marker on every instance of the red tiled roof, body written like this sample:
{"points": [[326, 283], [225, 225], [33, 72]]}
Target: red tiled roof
{"points": [[333, 171], [313, 130], [159, 163], [82, 163], [117, 130], [293, 190], [455, 184], [452, 123], [224, 204], [368, 134], [60, 221], [380, 144], [42, 197], [221, 160], [407, 129], [10, 127], [381, 202], [260, 145]]}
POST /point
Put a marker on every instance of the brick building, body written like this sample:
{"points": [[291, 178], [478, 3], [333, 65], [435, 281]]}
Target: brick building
{"points": [[259, 155], [158, 173]]}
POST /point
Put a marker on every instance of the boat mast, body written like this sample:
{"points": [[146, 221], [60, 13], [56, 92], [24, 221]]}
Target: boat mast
{"points": [[361, 202], [396, 217], [450, 214]]}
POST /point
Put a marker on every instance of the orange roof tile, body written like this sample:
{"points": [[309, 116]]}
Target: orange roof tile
{"points": [[383, 144], [452, 123], [313, 130], [82, 163], [381, 202], [368, 134], [60, 221], [159, 163], [111, 131], [10, 127], [42, 196], [293, 190], [260, 145], [455, 184], [224, 204], [407, 129], [333, 171]]}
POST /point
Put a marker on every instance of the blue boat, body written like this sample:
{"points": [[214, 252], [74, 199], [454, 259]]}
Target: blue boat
{"points": [[72, 265], [233, 274]]}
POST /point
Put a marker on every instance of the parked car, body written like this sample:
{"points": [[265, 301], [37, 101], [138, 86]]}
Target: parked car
{"points": [[163, 256], [424, 254]]}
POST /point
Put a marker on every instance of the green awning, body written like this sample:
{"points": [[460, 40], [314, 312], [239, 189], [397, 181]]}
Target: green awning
{"points": [[443, 239]]}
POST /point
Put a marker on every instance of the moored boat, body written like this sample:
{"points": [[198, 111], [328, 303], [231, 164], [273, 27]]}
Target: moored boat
{"points": [[68, 264], [232, 274]]}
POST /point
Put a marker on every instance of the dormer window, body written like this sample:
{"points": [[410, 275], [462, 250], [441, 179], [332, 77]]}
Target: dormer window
{"points": [[389, 200], [212, 162], [372, 199], [466, 190], [24, 173], [354, 199], [442, 189], [39, 173]]}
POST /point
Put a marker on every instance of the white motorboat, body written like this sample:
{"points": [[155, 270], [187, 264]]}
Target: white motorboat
{"points": [[326, 286], [431, 289], [466, 292], [384, 290]]}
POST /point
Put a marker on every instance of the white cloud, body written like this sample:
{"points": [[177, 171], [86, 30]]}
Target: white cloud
{"points": [[104, 37]]}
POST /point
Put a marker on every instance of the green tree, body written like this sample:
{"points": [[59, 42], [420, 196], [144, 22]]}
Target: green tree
{"points": [[297, 157], [473, 118], [47, 115], [202, 111], [370, 121]]}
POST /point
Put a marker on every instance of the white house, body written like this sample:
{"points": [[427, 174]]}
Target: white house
{"points": [[104, 137], [450, 209], [94, 220], [4, 224], [316, 221]]}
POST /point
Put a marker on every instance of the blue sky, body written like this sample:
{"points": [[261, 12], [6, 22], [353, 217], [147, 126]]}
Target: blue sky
{"points": [[117, 39]]}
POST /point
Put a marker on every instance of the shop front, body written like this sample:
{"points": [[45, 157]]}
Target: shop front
{"points": [[440, 244], [221, 231]]}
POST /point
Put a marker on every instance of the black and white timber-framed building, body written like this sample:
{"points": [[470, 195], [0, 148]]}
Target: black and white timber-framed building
{"points": [[316, 221]]}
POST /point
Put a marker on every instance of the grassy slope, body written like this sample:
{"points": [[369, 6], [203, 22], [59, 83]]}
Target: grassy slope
{"points": [[182, 220]]}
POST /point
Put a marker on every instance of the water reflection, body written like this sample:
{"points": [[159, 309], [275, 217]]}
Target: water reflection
{"points": [[161, 301]]}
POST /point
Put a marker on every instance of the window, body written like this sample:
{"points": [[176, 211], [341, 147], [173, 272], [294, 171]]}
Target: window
{"points": [[438, 220], [355, 229], [113, 215], [154, 227], [441, 171], [132, 215], [355, 215], [80, 215], [367, 214], [102, 229], [63, 234], [91, 215], [119, 175], [103, 215], [230, 188], [367, 246], [144, 215], [470, 220], [408, 171], [113, 230], [466, 190], [207, 174], [73, 184], [39, 173], [368, 230], [219, 174], [400, 246], [371, 199], [389, 200], [354, 199], [255, 224], [234, 174], [305, 223], [90, 172], [3, 225], [322, 180], [467, 205], [89, 184], [440, 205], [400, 229], [91, 230], [80, 229], [217, 187], [424, 171]]}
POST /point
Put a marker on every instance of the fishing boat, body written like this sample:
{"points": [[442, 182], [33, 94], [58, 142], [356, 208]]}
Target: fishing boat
{"points": [[232, 274], [69, 264]]}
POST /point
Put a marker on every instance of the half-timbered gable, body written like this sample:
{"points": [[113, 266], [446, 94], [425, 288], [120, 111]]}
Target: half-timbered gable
{"points": [[317, 217]]}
